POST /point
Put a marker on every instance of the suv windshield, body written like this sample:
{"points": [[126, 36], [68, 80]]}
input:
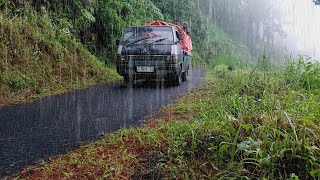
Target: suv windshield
{"points": [[148, 35]]}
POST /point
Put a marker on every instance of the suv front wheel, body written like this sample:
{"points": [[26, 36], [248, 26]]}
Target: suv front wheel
{"points": [[128, 82], [184, 76], [177, 79]]}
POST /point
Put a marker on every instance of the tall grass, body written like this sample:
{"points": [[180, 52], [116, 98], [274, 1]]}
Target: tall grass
{"points": [[253, 124]]}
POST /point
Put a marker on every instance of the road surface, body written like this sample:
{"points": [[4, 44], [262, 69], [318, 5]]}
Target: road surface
{"points": [[55, 125]]}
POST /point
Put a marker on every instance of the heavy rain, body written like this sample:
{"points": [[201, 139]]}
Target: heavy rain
{"points": [[159, 89]]}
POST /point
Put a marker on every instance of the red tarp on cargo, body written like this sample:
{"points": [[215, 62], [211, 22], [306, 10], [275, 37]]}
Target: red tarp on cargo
{"points": [[186, 40]]}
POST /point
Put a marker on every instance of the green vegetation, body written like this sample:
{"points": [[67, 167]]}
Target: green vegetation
{"points": [[244, 123], [49, 46], [209, 42], [39, 59], [96, 24], [247, 121]]}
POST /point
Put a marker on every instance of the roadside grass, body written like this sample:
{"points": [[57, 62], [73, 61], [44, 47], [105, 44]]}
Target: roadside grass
{"points": [[242, 124], [251, 125], [38, 58]]}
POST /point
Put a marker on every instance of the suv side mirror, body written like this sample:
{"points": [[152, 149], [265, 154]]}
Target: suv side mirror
{"points": [[179, 36]]}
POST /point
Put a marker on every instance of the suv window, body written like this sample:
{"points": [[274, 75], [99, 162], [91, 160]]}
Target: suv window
{"points": [[159, 35]]}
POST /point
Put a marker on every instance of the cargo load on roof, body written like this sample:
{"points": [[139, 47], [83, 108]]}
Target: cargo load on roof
{"points": [[186, 41]]}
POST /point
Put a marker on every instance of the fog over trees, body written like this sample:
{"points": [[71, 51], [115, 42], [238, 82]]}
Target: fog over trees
{"points": [[264, 25], [258, 24]]}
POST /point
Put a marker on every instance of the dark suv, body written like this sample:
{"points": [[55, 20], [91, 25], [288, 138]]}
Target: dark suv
{"points": [[152, 53]]}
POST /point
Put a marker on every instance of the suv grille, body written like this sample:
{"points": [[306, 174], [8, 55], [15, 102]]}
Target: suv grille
{"points": [[146, 58]]}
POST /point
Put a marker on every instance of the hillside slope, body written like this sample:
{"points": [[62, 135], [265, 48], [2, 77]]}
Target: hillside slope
{"points": [[39, 59]]}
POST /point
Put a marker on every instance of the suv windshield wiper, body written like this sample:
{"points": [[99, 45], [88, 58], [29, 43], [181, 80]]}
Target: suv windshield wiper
{"points": [[137, 41], [159, 40], [126, 41]]}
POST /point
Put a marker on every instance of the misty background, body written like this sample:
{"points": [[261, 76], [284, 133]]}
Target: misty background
{"points": [[277, 28]]}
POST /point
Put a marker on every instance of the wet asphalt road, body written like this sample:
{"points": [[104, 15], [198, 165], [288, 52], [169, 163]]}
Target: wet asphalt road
{"points": [[54, 125]]}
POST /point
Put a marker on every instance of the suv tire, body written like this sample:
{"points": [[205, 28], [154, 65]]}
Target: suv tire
{"points": [[184, 76], [128, 82], [178, 79]]}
